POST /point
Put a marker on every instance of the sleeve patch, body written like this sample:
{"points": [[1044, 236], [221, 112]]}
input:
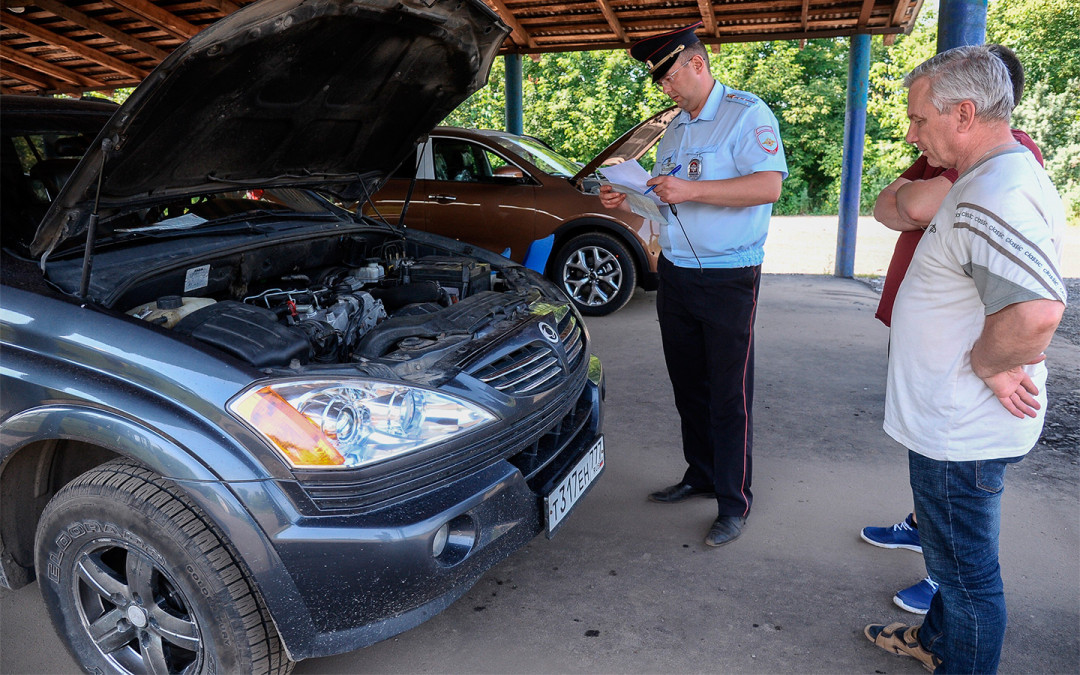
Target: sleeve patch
{"points": [[766, 138]]}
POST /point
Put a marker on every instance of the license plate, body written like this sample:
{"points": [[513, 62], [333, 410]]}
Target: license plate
{"points": [[571, 488]]}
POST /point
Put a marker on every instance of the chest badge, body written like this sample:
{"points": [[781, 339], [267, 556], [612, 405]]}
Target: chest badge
{"points": [[693, 169]]}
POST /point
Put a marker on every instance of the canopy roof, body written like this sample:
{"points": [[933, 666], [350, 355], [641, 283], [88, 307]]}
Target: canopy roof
{"points": [[73, 46]]}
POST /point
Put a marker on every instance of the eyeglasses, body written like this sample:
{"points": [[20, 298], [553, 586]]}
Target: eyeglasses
{"points": [[667, 79]]}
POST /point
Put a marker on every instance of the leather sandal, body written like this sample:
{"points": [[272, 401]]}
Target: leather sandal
{"points": [[898, 638]]}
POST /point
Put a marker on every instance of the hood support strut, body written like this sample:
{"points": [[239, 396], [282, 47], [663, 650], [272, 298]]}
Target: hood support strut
{"points": [[91, 228], [412, 183]]}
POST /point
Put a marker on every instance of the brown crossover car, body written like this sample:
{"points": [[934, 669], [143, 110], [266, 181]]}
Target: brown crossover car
{"points": [[517, 196]]}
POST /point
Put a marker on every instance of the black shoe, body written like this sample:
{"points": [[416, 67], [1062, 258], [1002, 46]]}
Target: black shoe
{"points": [[679, 492], [724, 530]]}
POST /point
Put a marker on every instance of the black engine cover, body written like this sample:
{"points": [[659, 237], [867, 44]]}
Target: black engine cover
{"points": [[250, 333]]}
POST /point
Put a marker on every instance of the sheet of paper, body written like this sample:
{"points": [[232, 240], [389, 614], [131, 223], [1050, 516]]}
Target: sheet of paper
{"points": [[630, 174], [629, 178], [639, 203]]}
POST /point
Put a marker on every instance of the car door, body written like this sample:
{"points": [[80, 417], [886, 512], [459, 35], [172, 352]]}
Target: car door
{"points": [[388, 202], [477, 195]]}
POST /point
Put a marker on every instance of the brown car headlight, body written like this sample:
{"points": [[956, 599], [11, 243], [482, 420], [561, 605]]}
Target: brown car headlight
{"points": [[354, 422]]}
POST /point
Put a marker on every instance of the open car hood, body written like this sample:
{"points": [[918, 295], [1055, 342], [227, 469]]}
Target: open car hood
{"points": [[284, 93], [630, 146]]}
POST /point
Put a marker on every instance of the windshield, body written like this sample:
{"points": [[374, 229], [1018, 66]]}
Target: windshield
{"points": [[190, 212], [543, 157], [201, 213]]}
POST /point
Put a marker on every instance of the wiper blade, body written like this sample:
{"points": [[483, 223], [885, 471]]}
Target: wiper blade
{"points": [[304, 175]]}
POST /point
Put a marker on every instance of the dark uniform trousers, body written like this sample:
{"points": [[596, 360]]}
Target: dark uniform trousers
{"points": [[706, 322]]}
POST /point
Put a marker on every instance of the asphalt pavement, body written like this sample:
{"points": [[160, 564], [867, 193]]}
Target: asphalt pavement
{"points": [[628, 586]]}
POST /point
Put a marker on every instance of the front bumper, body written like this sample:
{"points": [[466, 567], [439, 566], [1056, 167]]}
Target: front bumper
{"points": [[369, 575]]}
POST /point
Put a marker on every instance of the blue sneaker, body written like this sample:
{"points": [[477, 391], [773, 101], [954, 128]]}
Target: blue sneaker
{"points": [[916, 599], [901, 535]]}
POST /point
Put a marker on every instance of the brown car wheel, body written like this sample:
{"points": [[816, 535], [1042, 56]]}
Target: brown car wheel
{"points": [[597, 272]]}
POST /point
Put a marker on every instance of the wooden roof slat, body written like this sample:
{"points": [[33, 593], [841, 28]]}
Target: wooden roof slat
{"points": [[75, 47], [223, 6], [36, 78], [26, 60], [100, 27], [864, 13], [518, 34], [89, 37], [612, 19], [167, 21], [708, 16]]}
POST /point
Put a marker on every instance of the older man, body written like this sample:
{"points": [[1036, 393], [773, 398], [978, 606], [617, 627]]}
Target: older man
{"points": [[978, 306]]}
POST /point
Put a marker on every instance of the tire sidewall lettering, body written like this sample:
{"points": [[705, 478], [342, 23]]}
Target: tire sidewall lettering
{"points": [[74, 531]]}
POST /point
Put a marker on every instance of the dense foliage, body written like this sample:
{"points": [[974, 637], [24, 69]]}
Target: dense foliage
{"points": [[579, 102]]}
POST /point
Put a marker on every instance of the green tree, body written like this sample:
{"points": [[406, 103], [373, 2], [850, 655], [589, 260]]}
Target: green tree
{"points": [[578, 102], [1045, 35], [1053, 121]]}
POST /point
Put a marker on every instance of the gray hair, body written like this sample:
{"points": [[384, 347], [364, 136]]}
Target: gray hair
{"points": [[970, 73]]}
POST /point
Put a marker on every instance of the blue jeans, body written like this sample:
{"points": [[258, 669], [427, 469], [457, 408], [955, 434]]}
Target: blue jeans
{"points": [[958, 505]]}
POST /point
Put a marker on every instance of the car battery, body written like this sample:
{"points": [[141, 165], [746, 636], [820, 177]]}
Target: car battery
{"points": [[460, 278]]}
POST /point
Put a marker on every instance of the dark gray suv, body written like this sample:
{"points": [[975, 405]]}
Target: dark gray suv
{"points": [[240, 426]]}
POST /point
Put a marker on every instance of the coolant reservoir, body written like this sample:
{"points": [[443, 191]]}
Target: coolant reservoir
{"points": [[169, 309], [371, 272]]}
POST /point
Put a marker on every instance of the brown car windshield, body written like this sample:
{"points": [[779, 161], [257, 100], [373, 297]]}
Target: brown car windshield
{"points": [[541, 156]]}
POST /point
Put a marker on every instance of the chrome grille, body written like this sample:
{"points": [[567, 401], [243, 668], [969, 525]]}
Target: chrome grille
{"points": [[572, 340], [529, 369], [522, 371]]}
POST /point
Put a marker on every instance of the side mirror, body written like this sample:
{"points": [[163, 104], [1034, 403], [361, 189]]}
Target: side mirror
{"points": [[509, 171]]}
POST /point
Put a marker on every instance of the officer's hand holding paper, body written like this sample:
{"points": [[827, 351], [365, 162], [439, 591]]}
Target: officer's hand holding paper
{"points": [[629, 178]]}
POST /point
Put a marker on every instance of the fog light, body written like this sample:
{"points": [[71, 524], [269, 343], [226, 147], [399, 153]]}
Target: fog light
{"points": [[441, 538]]}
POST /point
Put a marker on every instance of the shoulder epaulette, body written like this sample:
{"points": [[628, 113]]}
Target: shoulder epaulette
{"points": [[742, 98]]}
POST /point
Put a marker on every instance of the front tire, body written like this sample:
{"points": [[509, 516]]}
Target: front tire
{"points": [[597, 272], [137, 579]]}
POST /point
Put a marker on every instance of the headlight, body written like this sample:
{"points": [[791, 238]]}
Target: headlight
{"points": [[351, 423]]}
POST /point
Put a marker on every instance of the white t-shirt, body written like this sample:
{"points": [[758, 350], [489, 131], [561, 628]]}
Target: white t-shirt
{"points": [[995, 241]]}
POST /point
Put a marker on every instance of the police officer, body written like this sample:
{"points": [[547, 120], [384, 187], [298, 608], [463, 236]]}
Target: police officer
{"points": [[718, 171]]}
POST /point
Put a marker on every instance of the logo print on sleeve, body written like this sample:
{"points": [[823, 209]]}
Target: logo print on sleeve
{"points": [[766, 138]]}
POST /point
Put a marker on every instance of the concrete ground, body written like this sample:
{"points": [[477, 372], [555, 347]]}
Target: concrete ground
{"points": [[628, 586]]}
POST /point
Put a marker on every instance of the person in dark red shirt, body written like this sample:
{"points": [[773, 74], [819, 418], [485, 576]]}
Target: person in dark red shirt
{"points": [[907, 205]]}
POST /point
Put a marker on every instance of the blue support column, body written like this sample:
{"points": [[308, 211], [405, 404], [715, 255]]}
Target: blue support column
{"points": [[854, 137], [514, 115], [961, 22]]}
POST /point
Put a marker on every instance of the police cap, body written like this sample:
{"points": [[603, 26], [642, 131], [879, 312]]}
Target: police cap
{"points": [[660, 52]]}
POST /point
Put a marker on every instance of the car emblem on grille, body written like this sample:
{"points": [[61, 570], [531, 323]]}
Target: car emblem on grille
{"points": [[549, 333]]}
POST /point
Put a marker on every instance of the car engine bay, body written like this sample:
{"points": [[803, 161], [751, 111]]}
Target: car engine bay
{"points": [[351, 299]]}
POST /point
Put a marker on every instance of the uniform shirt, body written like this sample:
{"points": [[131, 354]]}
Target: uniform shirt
{"points": [[995, 241], [734, 135]]}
